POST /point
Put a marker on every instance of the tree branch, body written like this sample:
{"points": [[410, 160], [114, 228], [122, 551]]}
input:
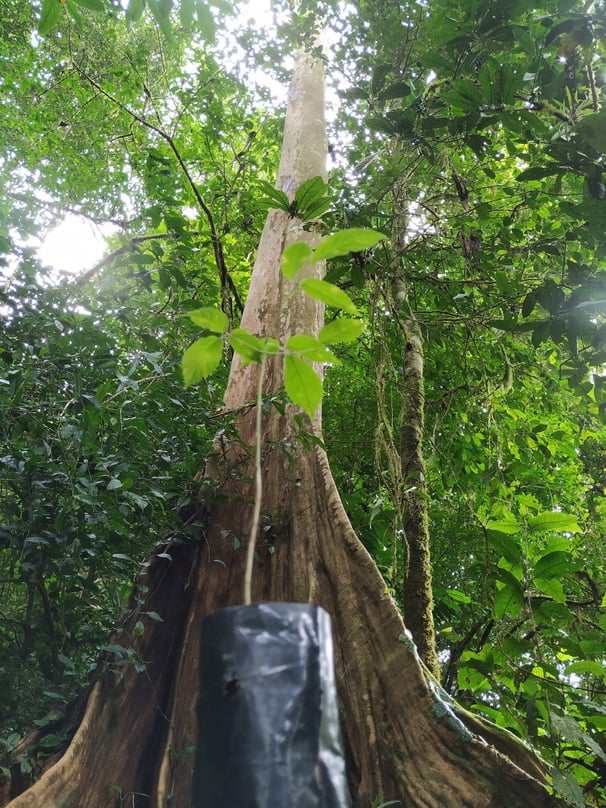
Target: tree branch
{"points": [[57, 209], [106, 260], [227, 284]]}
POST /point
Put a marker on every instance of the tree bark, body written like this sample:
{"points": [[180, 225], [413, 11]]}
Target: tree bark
{"points": [[417, 591], [403, 739], [418, 598]]}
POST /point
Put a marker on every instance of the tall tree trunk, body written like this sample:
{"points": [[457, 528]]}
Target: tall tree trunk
{"points": [[417, 596], [418, 599], [403, 739]]}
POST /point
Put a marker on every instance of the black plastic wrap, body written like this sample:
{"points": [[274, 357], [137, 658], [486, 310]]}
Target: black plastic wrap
{"points": [[268, 724]]}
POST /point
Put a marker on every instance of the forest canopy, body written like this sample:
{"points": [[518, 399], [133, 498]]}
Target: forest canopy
{"points": [[472, 138]]}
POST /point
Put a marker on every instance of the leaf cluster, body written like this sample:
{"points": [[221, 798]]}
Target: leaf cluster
{"points": [[303, 385]]}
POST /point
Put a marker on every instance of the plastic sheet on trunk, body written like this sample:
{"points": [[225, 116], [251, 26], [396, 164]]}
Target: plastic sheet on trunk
{"points": [[268, 732]]}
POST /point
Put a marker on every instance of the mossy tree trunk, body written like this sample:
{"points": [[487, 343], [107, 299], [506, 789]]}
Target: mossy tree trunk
{"points": [[413, 506], [403, 740]]}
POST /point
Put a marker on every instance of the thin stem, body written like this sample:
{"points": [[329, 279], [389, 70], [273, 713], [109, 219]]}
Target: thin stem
{"points": [[252, 540]]}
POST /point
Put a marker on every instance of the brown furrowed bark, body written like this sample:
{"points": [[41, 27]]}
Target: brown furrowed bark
{"points": [[403, 739]]}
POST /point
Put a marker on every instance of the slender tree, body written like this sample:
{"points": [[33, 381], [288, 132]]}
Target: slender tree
{"points": [[417, 595]]}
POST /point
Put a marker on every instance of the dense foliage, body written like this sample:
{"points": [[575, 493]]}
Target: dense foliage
{"points": [[483, 125]]}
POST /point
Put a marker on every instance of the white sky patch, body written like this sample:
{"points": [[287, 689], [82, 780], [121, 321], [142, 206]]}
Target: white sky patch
{"points": [[75, 245]]}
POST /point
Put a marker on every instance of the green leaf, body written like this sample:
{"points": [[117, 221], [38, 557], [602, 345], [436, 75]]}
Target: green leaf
{"points": [[479, 660], [310, 191], [311, 349], [92, 5], [508, 547], [551, 587], [114, 648], [508, 525], [342, 330], [530, 301], [565, 27], [140, 502], [550, 296], [464, 95], [566, 726], [186, 12], [586, 666], [50, 14], [470, 679], [51, 740], [593, 129], [311, 199], [504, 285], [554, 520], [509, 573], [527, 42], [246, 345], [294, 258], [271, 346], [538, 172], [541, 332], [272, 197], [377, 123], [201, 359], [206, 22], [508, 599], [160, 11], [213, 319], [554, 543], [114, 484], [380, 73], [594, 746], [554, 565], [329, 293], [73, 12], [458, 596], [345, 241], [303, 385], [154, 616], [315, 209], [399, 89], [134, 10], [566, 785]]}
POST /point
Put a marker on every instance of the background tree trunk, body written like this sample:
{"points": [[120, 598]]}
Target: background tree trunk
{"points": [[418, 599], [403, 739], [417, 595]]}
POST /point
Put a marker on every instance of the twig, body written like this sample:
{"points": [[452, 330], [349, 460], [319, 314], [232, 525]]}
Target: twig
{"points": [[252, 541]]}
